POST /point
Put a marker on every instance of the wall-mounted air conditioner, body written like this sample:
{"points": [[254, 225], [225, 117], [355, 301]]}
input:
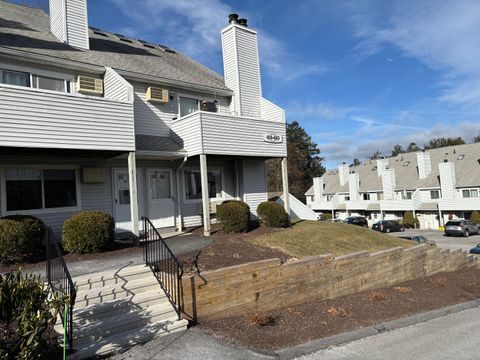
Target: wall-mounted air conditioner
{"points": [[156, 94], [89, 85]]}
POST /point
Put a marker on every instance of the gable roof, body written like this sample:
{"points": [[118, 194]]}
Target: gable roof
{"points": [[467, 170], [27, 31]]}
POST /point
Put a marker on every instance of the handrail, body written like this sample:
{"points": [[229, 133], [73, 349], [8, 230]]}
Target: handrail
{"points": [[60, 281], [164, 264]]}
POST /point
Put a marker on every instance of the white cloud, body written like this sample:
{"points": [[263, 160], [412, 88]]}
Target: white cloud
{"points": [[318, 111]]}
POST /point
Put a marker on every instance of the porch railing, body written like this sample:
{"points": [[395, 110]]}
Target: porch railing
{"points": [[60, 282], [163, 263]]}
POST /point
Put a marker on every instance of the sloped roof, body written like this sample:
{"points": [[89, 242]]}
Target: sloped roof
{"points": [[467, 170], [28, 30]]}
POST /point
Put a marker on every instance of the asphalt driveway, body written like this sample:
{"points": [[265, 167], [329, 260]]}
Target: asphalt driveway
{"points": [[442, 241]]}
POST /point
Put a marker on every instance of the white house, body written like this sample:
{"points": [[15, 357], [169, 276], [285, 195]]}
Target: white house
{"points": [[436, 185], [92, 120]]}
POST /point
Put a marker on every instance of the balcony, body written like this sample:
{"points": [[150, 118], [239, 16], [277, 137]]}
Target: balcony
{"points": [[218, 134], [459, 204], [34, 118]]}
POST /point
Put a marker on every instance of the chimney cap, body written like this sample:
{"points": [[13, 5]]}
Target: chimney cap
{"points": [[242, 22], [233, 18]]}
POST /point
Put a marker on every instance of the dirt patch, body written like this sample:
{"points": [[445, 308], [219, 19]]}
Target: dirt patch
{"points": [[230, 249], [314, 320]]}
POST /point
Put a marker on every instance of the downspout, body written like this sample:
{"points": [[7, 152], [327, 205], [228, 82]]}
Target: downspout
{"points": [[179, 201]]}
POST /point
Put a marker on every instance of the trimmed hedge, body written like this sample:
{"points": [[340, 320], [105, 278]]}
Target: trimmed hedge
{"points": [[326, 216], [34, 225], [409, 221], [273, 214], [17, 244], [234, 216], [475, 217], [88, 232]]}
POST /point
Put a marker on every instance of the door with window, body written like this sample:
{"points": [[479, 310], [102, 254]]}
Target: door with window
{"points": [[121, 191], [161, 204]]}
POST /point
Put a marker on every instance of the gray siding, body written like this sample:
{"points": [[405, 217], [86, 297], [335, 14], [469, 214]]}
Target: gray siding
{"points": [[77, 29], [254, 184], [187, 132], [230, 68], [43, 119], [271, 112], [57, 19], [116, 87]]}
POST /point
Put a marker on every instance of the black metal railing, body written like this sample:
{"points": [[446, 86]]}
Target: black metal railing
{"points": [[61, 283], [164, 264]]}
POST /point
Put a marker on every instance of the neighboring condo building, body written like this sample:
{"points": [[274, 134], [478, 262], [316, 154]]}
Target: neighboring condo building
{"points": [[437, 185], [92, 120]]}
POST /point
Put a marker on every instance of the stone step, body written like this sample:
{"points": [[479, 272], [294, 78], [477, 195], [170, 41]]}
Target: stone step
{"points": [[87, 348], [104, 309], [106, 278], [116, 291]]}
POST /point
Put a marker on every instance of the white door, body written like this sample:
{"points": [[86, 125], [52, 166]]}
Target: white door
{"points": [[121, 198], [161, 205]]}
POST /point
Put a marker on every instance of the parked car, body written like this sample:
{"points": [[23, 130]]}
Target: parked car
{"points": [[475, 250], [461, 228], [419, 239], [387, 226], [357, 220]]}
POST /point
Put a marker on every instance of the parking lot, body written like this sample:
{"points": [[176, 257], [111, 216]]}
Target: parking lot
{"points": [[442, 241]]}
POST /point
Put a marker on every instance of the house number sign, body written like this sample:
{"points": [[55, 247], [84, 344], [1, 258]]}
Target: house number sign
{"points": [[273, 138]]}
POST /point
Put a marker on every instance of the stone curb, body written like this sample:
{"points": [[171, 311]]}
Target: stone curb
{"points": [[339, 339]]}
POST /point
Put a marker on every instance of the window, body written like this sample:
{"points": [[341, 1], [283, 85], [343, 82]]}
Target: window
{"points": [[347, 198], [366, 196], [188, 106], [470, 193], [434, 194], [329, 197], [407, 195], [193, 185], [15, 78], [33, 189], [42, 82]]}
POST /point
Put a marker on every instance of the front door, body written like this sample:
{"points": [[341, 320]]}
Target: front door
{"points": [[121, 198], [161, 205]]}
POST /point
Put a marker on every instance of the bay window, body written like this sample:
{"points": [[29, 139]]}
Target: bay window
{"points": [[193, 184], [37, 189]]}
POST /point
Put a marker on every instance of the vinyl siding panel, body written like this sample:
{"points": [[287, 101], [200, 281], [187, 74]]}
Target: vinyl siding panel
{"points": [[230, 68], [43, 119], [77, 30], [57, 19], [271, 112], [116, 87], [187, 133], [254, 183], [447, 179]]}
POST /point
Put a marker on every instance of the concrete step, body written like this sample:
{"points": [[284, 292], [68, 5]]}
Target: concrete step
{"points": [[116, 291], [86, 348], [104, 309], [106, 278], [122, 321]]}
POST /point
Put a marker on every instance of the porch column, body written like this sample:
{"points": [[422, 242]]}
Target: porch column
{"points": [[286, 200], [132, 181], [205, 195]]}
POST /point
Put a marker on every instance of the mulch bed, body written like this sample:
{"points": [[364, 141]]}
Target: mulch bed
{"points": [[230, 249], [287, 327]]}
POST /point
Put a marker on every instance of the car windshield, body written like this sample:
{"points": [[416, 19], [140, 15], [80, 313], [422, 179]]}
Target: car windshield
{"points": [[453, 223]]}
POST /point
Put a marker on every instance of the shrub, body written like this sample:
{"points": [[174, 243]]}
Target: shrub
{"points": [[234, 216], [409, 221], [273, 214], [88, 231], [337, 311], [326, 216], [475, 217], [27, 317], [34, 225], [16, 242], [377, 296]]}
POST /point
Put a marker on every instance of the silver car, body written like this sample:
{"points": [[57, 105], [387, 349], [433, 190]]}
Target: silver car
{"points": [[461, 228]]}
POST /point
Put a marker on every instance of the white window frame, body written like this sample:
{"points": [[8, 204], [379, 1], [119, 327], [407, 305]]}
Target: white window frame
{"points": [[196, 201], [367, 196], [199, 98], [470, 191], [44, 210], [439, 194]]}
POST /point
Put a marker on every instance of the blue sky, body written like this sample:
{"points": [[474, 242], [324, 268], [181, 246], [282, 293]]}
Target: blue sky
{"points": [[358, 75]]}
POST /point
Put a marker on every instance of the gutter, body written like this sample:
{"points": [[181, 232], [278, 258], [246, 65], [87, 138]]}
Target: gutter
{"points": [[179, 206]]}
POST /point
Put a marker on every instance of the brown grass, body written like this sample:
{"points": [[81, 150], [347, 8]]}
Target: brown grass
{"points": [[261, 319], [377, 296], [403, 289], [337, 311], [309, 238], [439, 281]]}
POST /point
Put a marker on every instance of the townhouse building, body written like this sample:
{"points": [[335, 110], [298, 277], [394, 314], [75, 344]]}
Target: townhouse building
{"points": [[436, 185], [93, 120]]}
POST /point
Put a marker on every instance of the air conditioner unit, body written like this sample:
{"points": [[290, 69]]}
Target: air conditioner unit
{"points": [[156, 94], [89, 85]]}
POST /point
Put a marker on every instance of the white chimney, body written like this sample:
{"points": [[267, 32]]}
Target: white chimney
{"points": [[69, 22], [424, 165], [447, 179], [317, 188], [354, 186], [241, 67], [382, 164], [343, 170], [388, 184]]}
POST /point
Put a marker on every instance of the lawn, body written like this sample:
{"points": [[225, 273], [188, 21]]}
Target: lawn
{"points": [[308, 238]]}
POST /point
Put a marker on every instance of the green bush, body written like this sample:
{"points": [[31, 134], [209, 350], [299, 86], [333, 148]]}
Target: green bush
{"points": [[34, 225], [27, 318], [475, 217], [409, 221], [234, 216], [326, 216], [16, 242], [273, 214], [88, 231]]}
